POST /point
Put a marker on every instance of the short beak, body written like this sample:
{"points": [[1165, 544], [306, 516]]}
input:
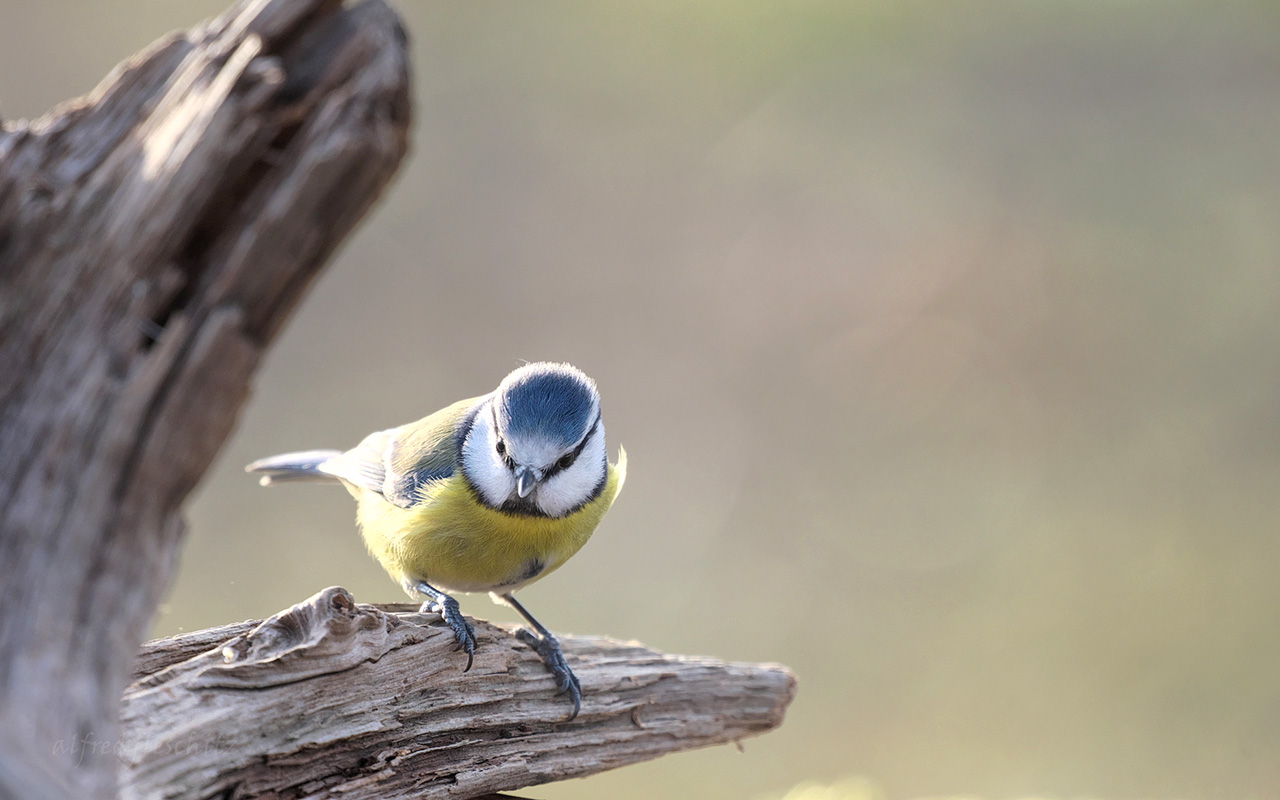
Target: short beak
{"points": [[525, 481]]}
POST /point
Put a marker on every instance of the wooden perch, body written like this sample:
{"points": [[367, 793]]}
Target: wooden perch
{"points": [[331, 699], [154, 237]]}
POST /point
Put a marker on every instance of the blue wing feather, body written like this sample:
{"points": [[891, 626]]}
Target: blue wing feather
{"points": [[397, 463]]}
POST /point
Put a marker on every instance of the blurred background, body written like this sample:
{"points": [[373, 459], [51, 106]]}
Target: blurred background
{"points": [[942, 338]]}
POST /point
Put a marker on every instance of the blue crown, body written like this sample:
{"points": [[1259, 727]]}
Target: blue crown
{"points": [[552, 401]]}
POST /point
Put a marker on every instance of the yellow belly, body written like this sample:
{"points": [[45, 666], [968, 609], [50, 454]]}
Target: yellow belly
{"points": [[457, 544]]}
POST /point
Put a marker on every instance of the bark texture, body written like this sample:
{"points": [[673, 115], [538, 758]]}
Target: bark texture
{"points": [[331, 699], [154, 236]]}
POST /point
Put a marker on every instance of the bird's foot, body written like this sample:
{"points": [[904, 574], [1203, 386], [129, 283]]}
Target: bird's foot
{"points": [[449, 611], [548, 648]]}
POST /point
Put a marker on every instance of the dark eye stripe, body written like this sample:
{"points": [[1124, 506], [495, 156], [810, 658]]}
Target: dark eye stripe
{"points": [[501, 445], [567, 459]]}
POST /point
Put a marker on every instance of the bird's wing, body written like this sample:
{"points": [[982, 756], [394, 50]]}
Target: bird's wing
{"points": [[396, 463], [363, 465]]}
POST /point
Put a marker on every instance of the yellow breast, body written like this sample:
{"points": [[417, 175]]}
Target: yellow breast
{"points": [[455, 543]]}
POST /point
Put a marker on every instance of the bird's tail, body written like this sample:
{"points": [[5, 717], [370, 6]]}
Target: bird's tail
{"points": [[303, 466]]}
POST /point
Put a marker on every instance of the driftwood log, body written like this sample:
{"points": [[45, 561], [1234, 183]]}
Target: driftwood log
{"points": [[154, 237], [331, 699]]}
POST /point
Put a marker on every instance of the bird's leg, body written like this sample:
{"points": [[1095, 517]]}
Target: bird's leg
{"points": [[440, 603], [546, 645]]}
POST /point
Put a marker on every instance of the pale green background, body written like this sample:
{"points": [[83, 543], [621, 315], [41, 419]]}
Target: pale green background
{"points": [[943, 339]]}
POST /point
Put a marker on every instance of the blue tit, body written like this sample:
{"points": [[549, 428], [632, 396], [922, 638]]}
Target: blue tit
{"points": [[486, 495]]}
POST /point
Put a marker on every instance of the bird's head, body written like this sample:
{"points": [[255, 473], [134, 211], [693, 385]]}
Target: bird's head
{"points": [[537, 444]]}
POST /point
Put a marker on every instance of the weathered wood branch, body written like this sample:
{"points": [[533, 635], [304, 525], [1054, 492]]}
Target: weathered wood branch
{"points": [[331, 699], [154, 236]]}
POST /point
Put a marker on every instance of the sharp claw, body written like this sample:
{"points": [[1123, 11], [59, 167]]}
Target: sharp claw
{"points": [[470, 645], [549, 650], [463, 633], [577, 706]]}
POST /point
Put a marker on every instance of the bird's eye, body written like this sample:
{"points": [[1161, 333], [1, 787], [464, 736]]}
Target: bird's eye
{"points": [[501, 447], [566, 461]]}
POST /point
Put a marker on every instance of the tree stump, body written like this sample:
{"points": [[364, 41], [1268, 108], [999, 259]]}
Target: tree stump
{"points": [[154, 237]]}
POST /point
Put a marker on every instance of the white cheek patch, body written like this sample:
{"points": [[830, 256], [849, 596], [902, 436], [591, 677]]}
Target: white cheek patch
{"points": [[570, 488], [558, 495], [482, 464]]}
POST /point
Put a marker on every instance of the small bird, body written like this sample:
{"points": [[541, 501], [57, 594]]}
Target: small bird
{"points": [[486, 495]]}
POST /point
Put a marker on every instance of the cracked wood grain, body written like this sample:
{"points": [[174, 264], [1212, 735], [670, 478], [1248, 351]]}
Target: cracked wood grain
{"points": [[332, 699], [154, 236]]}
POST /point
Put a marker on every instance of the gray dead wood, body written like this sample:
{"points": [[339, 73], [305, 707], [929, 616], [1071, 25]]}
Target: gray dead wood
{"points": [[154, 237], [331, 699]]}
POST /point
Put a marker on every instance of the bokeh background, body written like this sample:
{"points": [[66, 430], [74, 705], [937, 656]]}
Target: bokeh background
{"points": [[943, 339]]}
